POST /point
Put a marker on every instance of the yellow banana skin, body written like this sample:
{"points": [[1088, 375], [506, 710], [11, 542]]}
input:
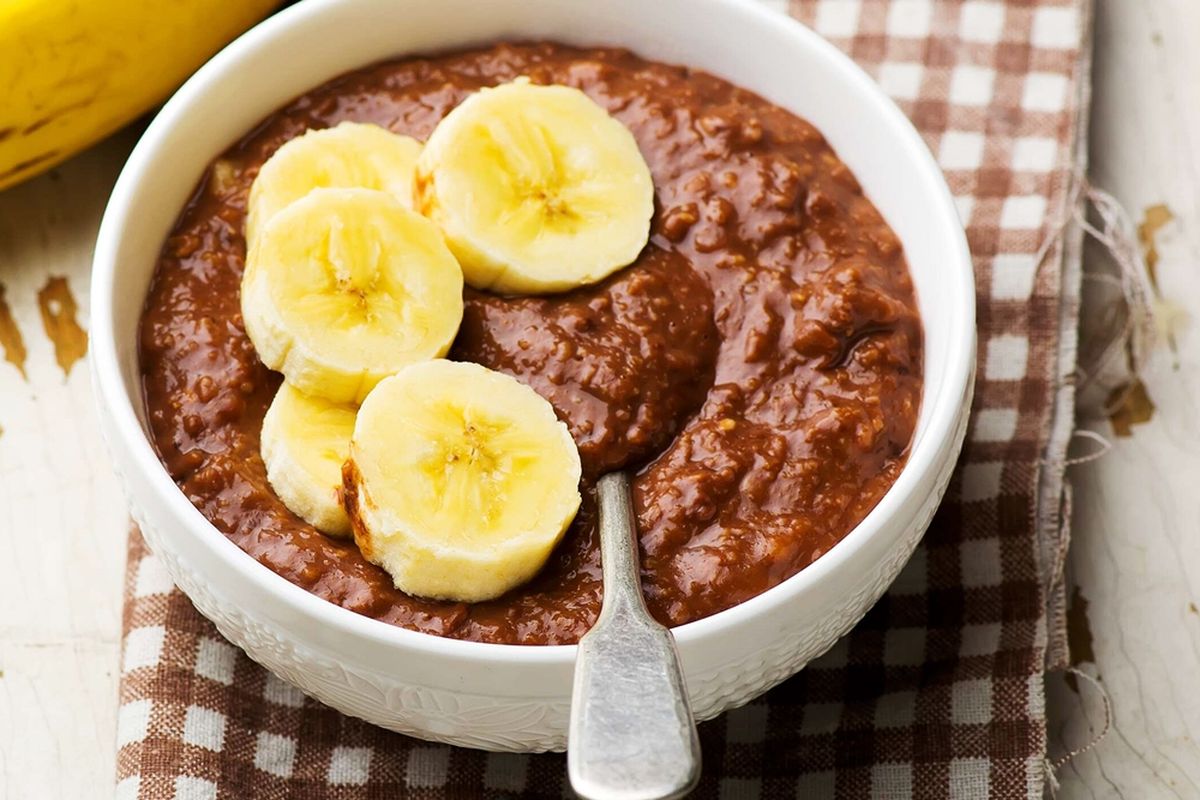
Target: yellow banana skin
{"points": [[73, 71]]}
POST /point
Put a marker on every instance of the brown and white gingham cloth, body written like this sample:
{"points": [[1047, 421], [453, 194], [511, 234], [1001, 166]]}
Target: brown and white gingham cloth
{"points": [[938, 693]]}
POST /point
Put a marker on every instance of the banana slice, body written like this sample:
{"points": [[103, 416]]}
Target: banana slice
{"points": [[536, 188], [345, 287], [460, 481], [352, 154], [305, 441]]}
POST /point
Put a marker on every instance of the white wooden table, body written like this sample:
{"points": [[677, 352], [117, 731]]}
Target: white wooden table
{"points": [[1135, 560], [1135, 554]]}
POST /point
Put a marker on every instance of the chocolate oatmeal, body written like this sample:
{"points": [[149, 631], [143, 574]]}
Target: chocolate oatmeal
{"points": [[758, 367]]}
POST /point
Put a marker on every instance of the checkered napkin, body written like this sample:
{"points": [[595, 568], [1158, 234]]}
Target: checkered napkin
{"points": [[939, 691]]}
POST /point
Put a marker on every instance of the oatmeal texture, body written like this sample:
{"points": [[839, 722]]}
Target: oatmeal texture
{"points": [[759, 365]]}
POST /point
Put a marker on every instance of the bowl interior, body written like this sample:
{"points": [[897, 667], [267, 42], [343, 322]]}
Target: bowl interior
{"points": [[750, 46]]}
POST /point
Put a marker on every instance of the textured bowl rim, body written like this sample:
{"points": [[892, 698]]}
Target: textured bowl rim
{"points": [[115, 402]]}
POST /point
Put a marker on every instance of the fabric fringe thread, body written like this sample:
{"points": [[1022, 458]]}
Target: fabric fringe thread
{"points": [[1138, 333], [1103, 448], [1137, 336], [1117, 234], [1053, 766]]}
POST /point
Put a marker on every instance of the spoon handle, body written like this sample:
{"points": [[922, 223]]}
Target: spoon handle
{"points": [[632, 734]]}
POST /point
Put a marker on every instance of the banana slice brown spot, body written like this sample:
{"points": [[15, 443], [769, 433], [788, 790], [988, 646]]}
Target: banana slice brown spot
{"points": [[460, 480]]}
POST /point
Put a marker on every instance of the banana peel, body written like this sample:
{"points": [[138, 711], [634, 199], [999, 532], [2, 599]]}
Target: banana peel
{"points": [[72, 71]]}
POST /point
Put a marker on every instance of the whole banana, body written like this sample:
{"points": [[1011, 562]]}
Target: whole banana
{"points": [[73, 72]]}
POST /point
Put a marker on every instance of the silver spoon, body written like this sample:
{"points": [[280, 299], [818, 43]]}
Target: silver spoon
{"points": [[632, 735]]}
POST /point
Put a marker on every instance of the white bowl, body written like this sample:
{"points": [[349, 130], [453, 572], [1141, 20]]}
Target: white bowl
{"points": [[506, 697]]}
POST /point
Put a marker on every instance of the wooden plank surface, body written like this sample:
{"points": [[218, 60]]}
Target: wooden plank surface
{"points": [[62, 519], [1135, 560], [1135, 553]]}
